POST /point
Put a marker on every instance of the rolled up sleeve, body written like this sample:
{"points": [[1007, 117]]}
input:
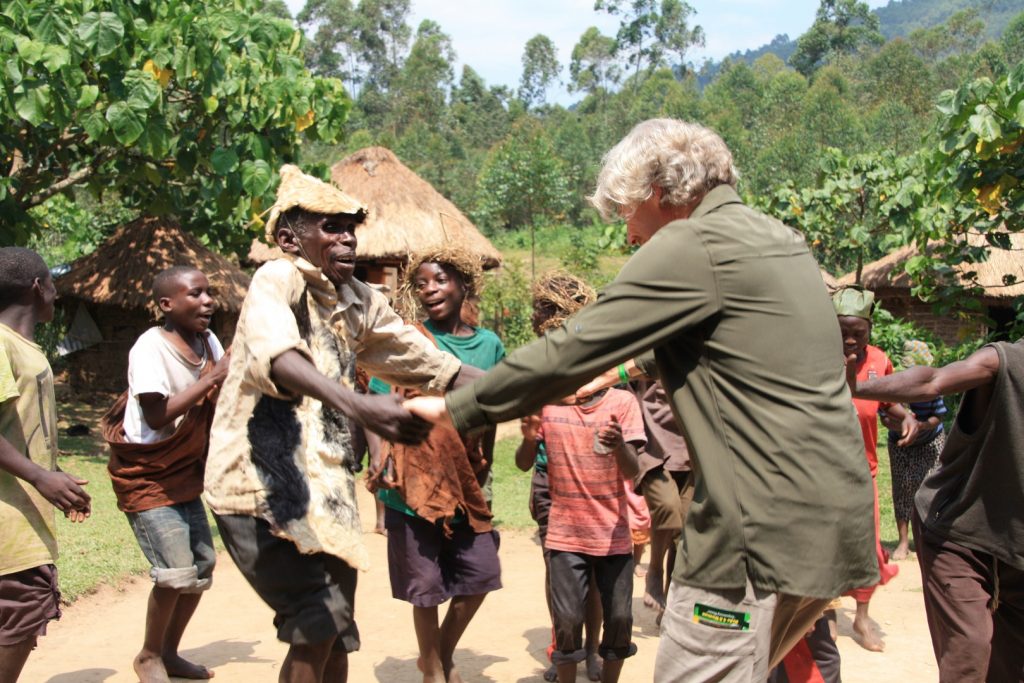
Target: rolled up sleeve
{"points": [[268, 326]]}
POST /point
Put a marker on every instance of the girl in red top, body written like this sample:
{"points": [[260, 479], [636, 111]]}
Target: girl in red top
{"points": [[853, 305]]}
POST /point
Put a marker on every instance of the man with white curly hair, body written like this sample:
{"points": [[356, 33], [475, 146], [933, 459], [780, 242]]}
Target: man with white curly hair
{"points": [[726, 307]]}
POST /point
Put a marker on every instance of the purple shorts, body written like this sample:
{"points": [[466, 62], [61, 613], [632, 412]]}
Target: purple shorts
{"points": [[29, 599], [427, 569]]}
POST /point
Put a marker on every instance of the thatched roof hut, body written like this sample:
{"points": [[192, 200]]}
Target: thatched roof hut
{"points": [[105, 296], [891, 285], [406, 214]]}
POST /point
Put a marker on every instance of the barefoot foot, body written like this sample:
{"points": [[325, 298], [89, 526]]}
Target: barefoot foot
{"points": [[182, 668], [551, 673], [594, 666], [901, 552], [866, 635], [150, 668], [654, 593], [639, 571], [380, 530]]}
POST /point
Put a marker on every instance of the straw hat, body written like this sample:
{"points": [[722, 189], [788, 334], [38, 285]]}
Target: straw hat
{"points": [[310, 194]]}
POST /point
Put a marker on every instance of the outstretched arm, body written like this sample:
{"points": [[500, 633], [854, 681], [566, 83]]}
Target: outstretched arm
{"points": [[380, 413], [925, 383]]}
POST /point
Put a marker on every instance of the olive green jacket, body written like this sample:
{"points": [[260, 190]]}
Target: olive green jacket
{"points": [[747, 346]]}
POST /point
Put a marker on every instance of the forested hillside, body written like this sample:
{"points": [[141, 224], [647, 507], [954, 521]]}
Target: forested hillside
{"points": [[903, 17]]}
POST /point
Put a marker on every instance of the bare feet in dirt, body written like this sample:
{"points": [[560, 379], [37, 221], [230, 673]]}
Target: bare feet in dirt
{"points": [[150, 669], [594, 666], [182, 668], [551, 674], [380, 530], [639, 571], [654, 592], [866, 635], [901, 552]]}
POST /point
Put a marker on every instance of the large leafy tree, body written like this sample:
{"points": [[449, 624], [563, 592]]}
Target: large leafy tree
{"points": [[593, 67], [180, 106], [649, 30], [540, 70], [840, 27]]}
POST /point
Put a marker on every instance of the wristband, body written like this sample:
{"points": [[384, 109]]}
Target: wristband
{"points": [[623, 375]]}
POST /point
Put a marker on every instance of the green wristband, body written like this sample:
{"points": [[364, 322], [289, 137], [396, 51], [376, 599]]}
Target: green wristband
{"points": [[623, 375]]}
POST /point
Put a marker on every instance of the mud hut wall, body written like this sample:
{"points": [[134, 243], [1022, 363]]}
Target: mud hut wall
{"points": [[949, 329]]}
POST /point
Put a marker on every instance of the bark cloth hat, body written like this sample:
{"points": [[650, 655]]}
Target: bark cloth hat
{"points": [[310, 194], [854, 301]]}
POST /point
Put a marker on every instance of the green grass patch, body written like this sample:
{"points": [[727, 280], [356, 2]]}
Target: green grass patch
{"points": [[511, 488]]}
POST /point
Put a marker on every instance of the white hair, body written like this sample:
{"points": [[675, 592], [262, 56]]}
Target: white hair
{"points": [[686, 160]]}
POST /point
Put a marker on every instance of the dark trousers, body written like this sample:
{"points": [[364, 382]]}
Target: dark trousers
{"points": [[975, 609], [570, 583]]}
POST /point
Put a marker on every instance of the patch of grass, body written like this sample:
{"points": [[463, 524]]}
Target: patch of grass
{"points": [[511, 488], [102, 549], [890, 536]]}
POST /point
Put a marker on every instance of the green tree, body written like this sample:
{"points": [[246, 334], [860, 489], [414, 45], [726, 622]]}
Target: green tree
{"points": [[540, 70], [649, 29], [1013, 41], [333, 47], [593, 67], [422, 86], [840, 27], [384, 34], [861, 207], [181, 107], [522, 182]]}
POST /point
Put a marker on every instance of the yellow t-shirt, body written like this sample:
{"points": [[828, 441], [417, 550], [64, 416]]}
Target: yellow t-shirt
{"points": [[28, 420]]}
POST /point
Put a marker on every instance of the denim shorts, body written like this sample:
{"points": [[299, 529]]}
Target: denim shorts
{"points": [[176, 540]]}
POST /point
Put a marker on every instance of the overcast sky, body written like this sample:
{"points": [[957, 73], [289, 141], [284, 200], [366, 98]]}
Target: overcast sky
{"points": [[489, 35]]}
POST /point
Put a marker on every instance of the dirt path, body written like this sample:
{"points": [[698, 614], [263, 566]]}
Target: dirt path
{"points": [[232, 632]]}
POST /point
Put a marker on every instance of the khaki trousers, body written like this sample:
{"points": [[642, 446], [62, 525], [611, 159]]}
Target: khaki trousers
{"points": [[692, 649]]}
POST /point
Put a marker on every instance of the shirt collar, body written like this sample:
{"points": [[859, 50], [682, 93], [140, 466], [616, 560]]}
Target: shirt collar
{"points": [[715, 199], [320, 287]]}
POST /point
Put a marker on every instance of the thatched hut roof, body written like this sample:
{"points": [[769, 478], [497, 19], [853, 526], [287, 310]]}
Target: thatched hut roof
{"points": [[260, 252], [120, 272], [887, 272], [406, 214]]}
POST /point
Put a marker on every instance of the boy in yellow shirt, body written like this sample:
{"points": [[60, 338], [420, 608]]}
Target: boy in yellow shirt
{"points": [[31, 484]]}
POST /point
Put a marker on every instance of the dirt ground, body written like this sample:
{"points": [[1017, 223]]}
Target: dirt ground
{"points": [[232, 631]]}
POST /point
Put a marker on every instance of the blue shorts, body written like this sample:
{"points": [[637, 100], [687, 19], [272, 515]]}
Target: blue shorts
{"points": [[176, 540]]}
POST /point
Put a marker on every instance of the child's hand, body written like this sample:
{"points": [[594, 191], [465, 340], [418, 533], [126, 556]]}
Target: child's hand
{"points": [[530, 427], [78, 515], [909, 430], [220, 370], [610, 434], [381, 475], [64, 491]]}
